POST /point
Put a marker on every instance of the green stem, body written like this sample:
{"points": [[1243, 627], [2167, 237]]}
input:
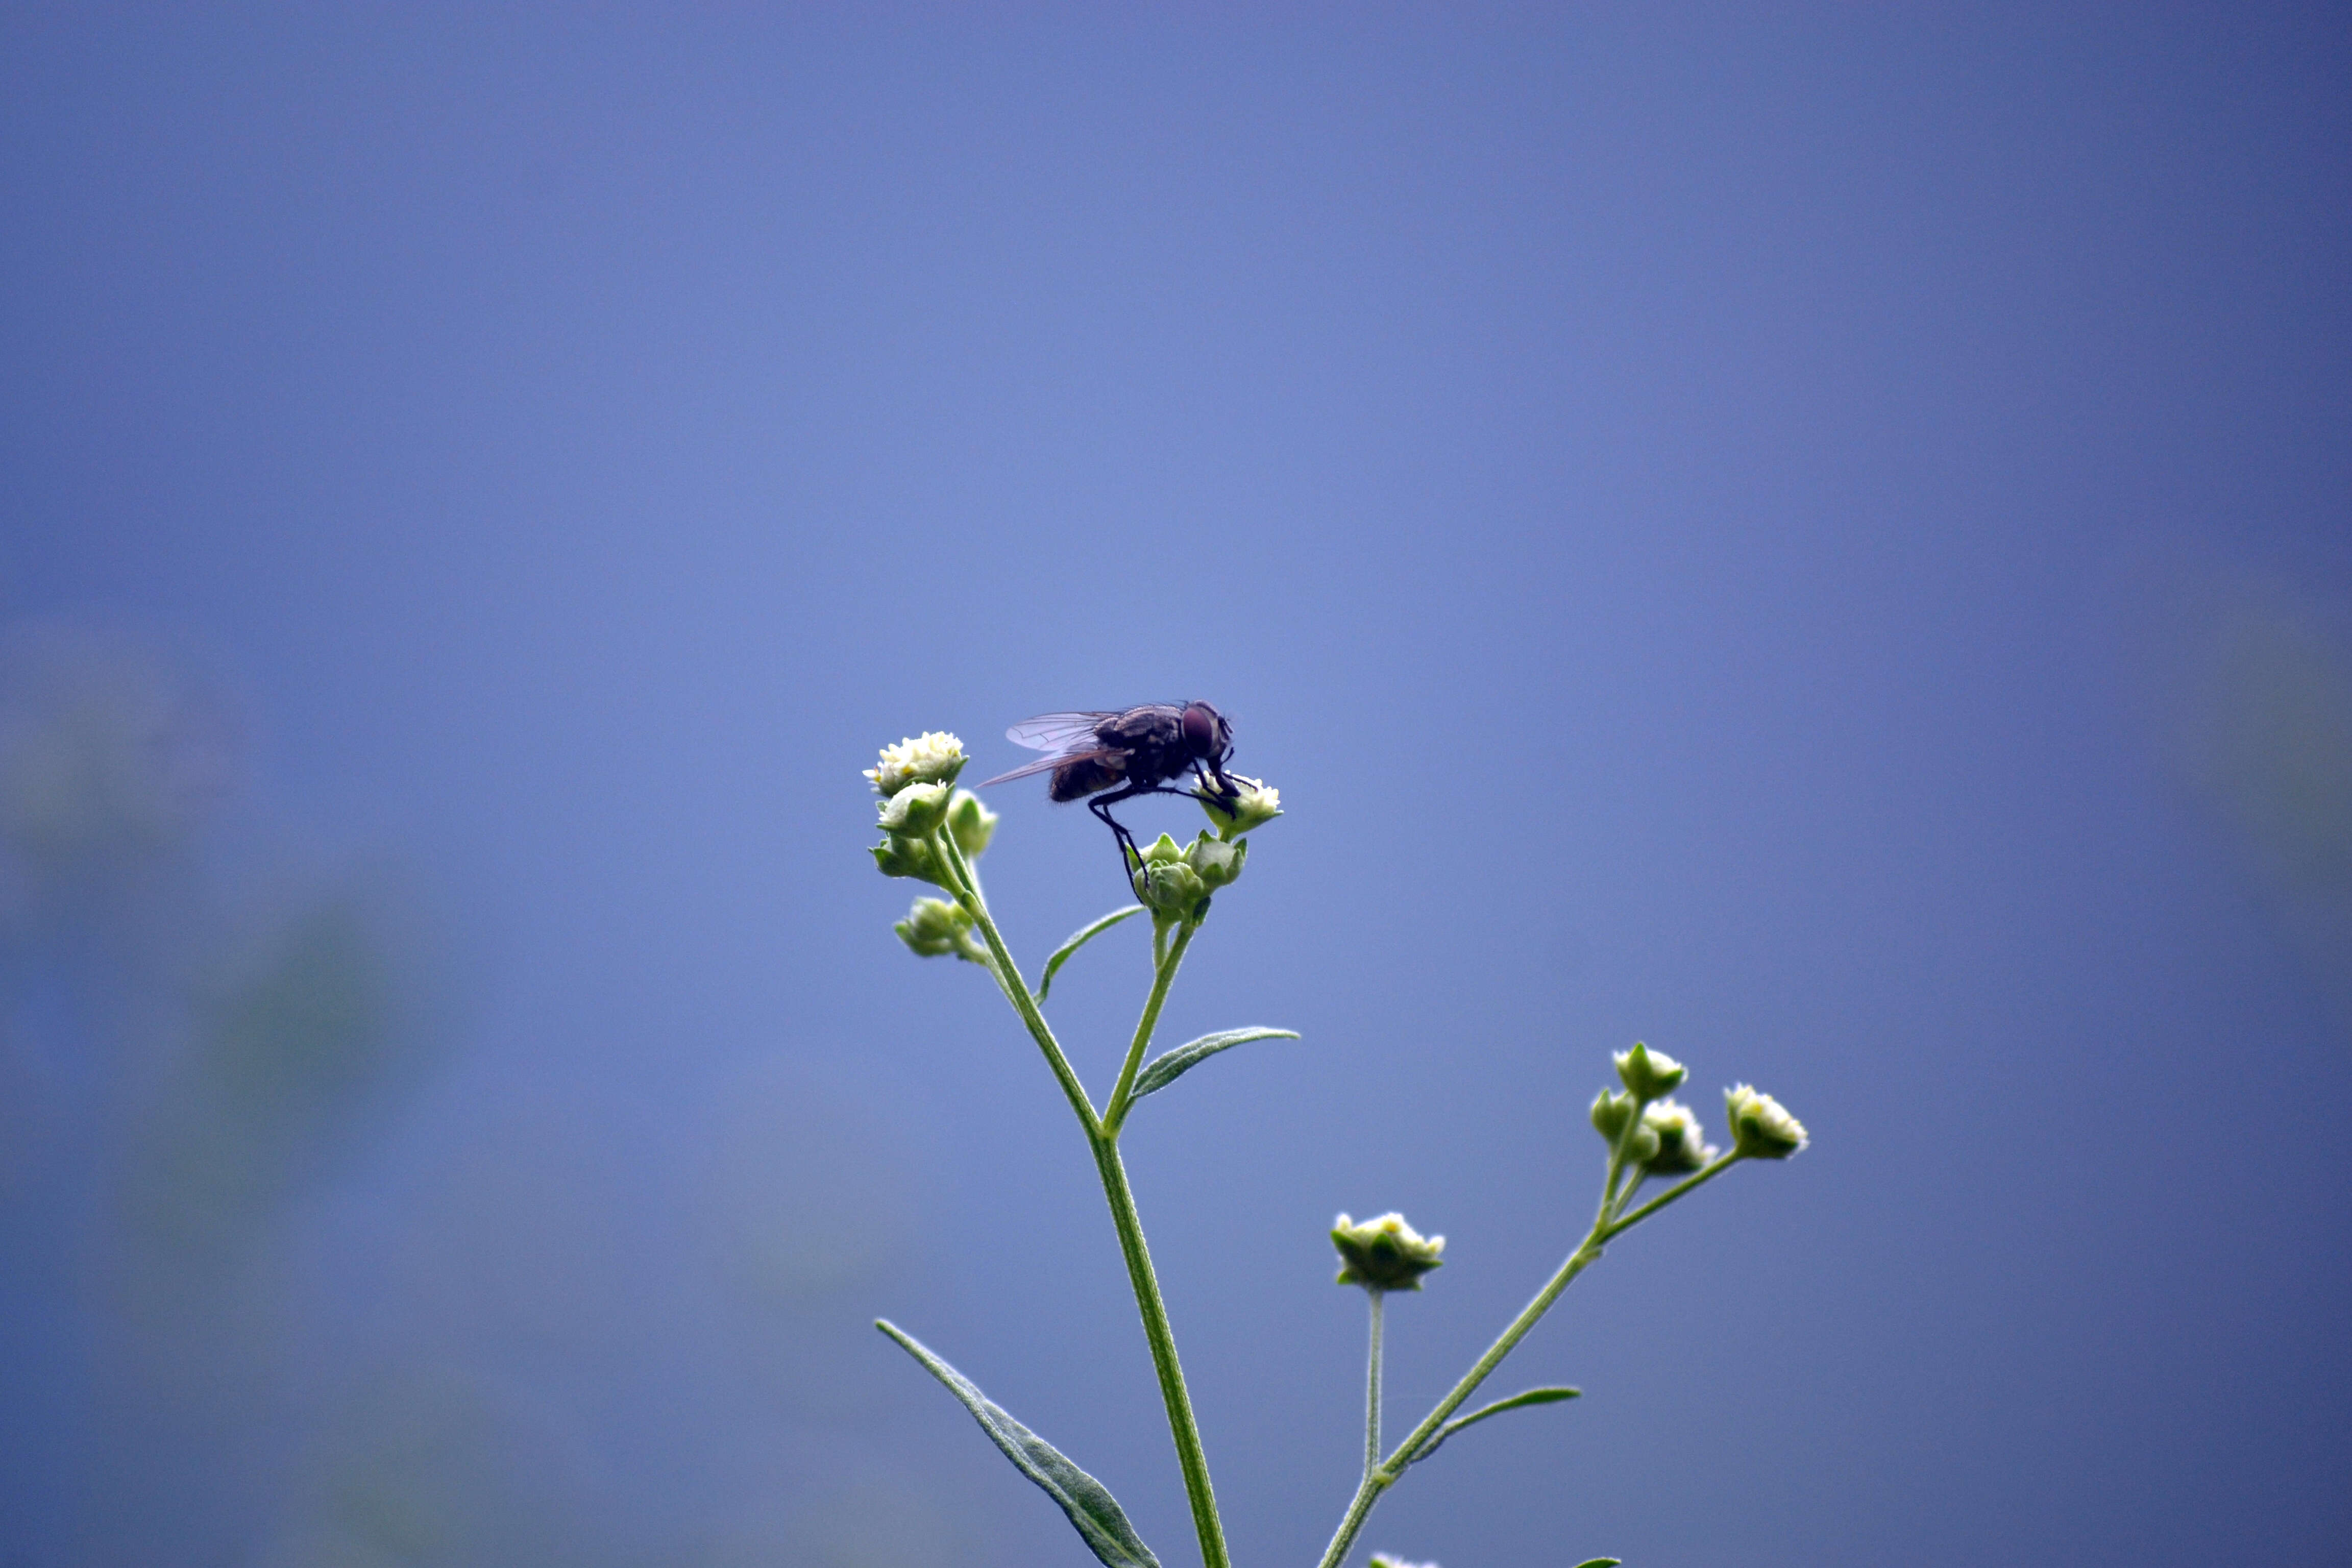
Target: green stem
{"points": [[1189, 1456], [1606, 1225], [1104, 1141], [1372, 1390], [1384, 1476], [1122, 1094], [1008, 976]]}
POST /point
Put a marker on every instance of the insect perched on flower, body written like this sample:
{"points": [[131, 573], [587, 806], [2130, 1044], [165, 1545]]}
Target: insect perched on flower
{"points": [[1116, 756]]}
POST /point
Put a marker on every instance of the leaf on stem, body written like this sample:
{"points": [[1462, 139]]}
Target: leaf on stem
{"points": [[1078, 941], [1531, 1397], [1097, 1515], [1169, 1065]]}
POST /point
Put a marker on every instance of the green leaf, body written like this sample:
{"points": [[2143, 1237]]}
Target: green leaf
{"points": [[1096, 1514], [1601, 1563], [1169, 1065], [1079, 940], [1531, 1397]]}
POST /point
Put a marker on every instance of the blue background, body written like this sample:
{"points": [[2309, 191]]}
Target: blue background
{"points": [[1813, 537]]}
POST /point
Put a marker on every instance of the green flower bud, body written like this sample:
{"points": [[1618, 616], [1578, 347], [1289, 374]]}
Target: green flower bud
{"points": [[899, 856], [1162, 851], [1649, 1075], [1609, 1114], [1681, 1142], [934, 928], [932, 757], [1384, 1254], [1217, 862], [1760, 1129], [1169, 887], [972, 824], [916, 809], [1256, 806]]}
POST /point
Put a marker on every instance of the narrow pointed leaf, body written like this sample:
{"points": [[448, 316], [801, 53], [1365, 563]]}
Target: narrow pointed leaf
{"points": [[1169, 1065], [1096, 1514], [1531, 1397], [1601, 1563], [1078, 940]]}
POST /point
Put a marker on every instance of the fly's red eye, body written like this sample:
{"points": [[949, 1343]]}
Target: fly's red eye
{"points": [[1200, 730]]}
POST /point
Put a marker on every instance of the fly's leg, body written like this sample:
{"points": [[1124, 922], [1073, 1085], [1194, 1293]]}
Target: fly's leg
{"points": [[1100, 805]]}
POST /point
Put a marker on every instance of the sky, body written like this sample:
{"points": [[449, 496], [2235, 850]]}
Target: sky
{"points": [[1812, 537]]}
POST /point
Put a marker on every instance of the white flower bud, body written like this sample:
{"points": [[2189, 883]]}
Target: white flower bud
{"points": [[1681, 1142], [915, 810], [1760, 1128], [1648, 1074], [1384, 1254]]}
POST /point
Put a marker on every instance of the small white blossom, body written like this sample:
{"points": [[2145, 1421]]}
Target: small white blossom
{"points": [[1681, 1142], [1760, 1128], [1384, 1254], [932, 757], [1258, 805]]}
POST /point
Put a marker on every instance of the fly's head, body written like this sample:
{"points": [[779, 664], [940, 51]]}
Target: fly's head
{"points": [[1208, 740]]}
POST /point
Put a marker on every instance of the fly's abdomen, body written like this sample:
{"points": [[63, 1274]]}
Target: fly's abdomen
{"points": [[1072, 780]]}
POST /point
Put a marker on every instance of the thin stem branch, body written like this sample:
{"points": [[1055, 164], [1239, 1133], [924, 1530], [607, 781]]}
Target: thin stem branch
{"points": [[1372, 1390], [1189, 1456], [1122, 1095], [1008, 976], [1626, 1222]]}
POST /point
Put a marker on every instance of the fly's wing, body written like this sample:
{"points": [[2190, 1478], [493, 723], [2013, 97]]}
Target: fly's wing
{"points": [[1058, 731], [1043, 764]]}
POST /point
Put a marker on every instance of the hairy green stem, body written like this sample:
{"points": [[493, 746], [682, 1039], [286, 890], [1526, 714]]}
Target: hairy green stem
{"points": [[1189, 1456], [1103, 1140], [1372, 1389], [1378, 1477], [1122, 1095]]}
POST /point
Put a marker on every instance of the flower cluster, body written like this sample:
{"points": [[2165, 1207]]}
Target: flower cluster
{"points": [[920, 812], [1667, 1139]]}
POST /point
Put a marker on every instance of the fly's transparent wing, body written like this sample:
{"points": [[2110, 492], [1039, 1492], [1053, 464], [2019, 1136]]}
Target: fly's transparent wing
{"points": [[1057, 732], [1044, 763]]}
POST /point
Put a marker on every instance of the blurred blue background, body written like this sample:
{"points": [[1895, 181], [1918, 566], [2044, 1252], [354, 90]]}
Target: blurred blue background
{"points": [[1813, 537]]}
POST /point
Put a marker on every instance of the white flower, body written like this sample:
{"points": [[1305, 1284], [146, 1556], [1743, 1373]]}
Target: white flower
{"points": [[1384, 1254], [1258, 805], [1760, 1128], [932, 757], [1682, 1143]]}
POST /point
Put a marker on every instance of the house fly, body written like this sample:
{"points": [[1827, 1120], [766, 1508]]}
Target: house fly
{"points": [[1118, 756]]}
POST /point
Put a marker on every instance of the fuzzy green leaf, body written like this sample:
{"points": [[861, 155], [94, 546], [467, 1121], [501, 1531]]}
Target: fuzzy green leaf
{"points": [[1169, 1065], [1078, 940], [1531, 1397], [1093, 1511]]}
